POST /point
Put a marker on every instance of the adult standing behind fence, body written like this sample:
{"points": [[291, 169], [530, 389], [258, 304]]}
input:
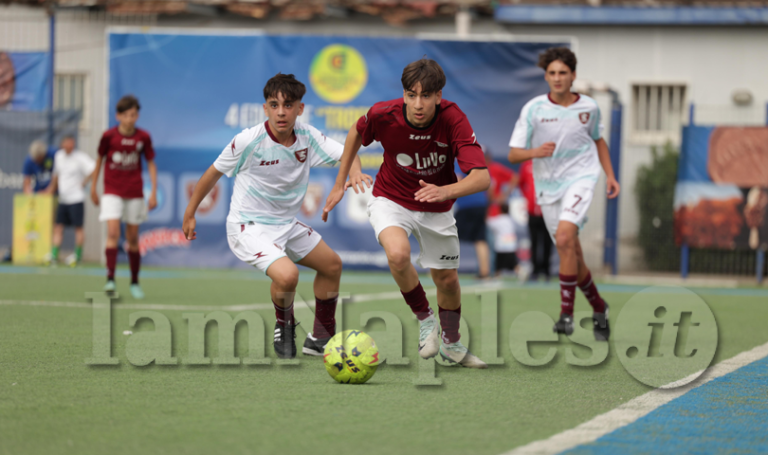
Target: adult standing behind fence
{"points": [[72, 170], [541, 243], [470, 222], [37, 168]]}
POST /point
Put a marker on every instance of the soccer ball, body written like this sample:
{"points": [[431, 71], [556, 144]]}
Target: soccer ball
{"points": [[351, 357]]}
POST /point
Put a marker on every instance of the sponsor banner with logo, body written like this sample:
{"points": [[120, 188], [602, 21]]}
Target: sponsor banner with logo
{"points": [[24, 78], [210, 88], [721, 196], [32, 228]]}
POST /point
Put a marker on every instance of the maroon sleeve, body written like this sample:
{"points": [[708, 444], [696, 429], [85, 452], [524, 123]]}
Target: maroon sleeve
{"points": [[104, 144], [366, 127], [465, 147], [149, 152]]}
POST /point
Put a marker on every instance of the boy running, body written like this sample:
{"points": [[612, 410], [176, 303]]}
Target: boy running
{"points": [[270, 163], [422, 134], [562, 133], [121, 149]]}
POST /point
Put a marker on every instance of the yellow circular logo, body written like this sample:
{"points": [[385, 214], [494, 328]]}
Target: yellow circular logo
{"points": [[338, 73]]}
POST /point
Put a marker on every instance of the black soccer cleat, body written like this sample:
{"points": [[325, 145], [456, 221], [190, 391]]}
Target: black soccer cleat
{"points": [[601, 326], [314, 346], [285, 340], [564, 325]]}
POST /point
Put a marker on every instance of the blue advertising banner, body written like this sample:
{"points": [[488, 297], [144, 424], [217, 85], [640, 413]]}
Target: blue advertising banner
{"points": [[198, 91], [24, 78]]}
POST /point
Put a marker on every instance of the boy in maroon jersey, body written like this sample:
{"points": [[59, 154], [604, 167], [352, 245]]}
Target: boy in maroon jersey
{"points": [[422, 134], [120, 149]]}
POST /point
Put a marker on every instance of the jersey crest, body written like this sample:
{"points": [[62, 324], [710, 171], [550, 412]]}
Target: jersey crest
{"points": [[584, 117], [301, 155]]}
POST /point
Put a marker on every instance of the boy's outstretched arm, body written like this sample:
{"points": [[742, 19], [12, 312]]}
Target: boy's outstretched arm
{"points": [[202, 188], [351, 146]]}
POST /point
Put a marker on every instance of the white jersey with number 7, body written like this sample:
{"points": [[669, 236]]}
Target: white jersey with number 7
{"points": [[574, 130]]}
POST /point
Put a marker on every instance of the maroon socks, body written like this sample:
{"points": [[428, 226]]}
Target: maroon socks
{"points": [[567, 293], [283, 315], [325, 318], [449, 322], [590, 292], [416, 298], [111, 254], [134, 258]]}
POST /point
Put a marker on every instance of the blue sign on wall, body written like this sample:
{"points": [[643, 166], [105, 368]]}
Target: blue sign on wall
{"points": [[198, 91]]}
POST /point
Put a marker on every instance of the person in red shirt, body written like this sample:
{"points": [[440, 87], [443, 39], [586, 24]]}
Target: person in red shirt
{"points": [[120, 150], [422, 135], [503, 181], [541, 243]]}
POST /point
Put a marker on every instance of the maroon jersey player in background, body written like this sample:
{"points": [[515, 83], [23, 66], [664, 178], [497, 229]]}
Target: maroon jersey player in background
{"points": [[422, 135], [120, 150]]}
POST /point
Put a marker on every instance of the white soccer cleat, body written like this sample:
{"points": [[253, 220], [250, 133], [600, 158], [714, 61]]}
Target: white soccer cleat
{"points": [[458, 353], [429, 338]]}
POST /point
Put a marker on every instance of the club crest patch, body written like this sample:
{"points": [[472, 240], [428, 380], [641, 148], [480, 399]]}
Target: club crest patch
{"points": [[301, 155], [584, 117]]}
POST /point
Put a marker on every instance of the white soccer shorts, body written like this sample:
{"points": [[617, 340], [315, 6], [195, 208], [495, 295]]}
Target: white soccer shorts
{"points": [[130, 211], [260, 244], [436, 232], [572, 207]]}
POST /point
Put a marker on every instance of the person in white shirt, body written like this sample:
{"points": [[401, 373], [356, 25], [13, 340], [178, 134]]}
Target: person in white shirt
{"points": [[72, 171], [562, 134], [504, 240], [270, 164]]}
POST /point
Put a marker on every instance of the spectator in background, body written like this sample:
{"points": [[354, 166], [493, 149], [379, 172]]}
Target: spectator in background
{"points": [[470, 222], [503, 181], [37, 168], [72, 170], [504, 240], [541, 243]]}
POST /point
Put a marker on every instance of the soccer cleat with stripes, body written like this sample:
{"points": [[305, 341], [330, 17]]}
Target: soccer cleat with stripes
{"points": [[601, 326], [314, 346], [285, 340], [564, 325], [429, 338], [458, 353]]}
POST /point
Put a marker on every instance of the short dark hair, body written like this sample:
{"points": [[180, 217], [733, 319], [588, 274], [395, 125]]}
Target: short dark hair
{"points": [[426, 71], [287, 84], [126, 103], [552, 54]]}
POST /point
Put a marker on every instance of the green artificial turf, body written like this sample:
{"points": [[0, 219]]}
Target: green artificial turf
{"points": [[52, 402]]}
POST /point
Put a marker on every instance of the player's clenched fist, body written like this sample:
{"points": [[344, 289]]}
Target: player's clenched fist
{"points": [[333, 198], [189, 228], [545, 150]]}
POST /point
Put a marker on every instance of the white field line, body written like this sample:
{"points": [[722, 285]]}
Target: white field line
{"points": [[636, 408], [244, 307]]}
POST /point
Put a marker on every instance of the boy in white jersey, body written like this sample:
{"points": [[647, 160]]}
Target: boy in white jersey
{"points": [[561, 132], [270, 163]]}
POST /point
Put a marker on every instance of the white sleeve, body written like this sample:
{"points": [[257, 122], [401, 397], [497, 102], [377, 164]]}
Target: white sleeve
{"points": [[87, 163], [521, 135], [229, 161], [597, 126], [323, 150]]}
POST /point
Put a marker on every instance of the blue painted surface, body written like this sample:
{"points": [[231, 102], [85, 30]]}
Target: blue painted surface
{"points": [[726, 415], [619, 15]]}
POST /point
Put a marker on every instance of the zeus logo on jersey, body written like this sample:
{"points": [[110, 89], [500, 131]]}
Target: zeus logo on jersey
{"points": [[268, 163], [415, 137]]}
